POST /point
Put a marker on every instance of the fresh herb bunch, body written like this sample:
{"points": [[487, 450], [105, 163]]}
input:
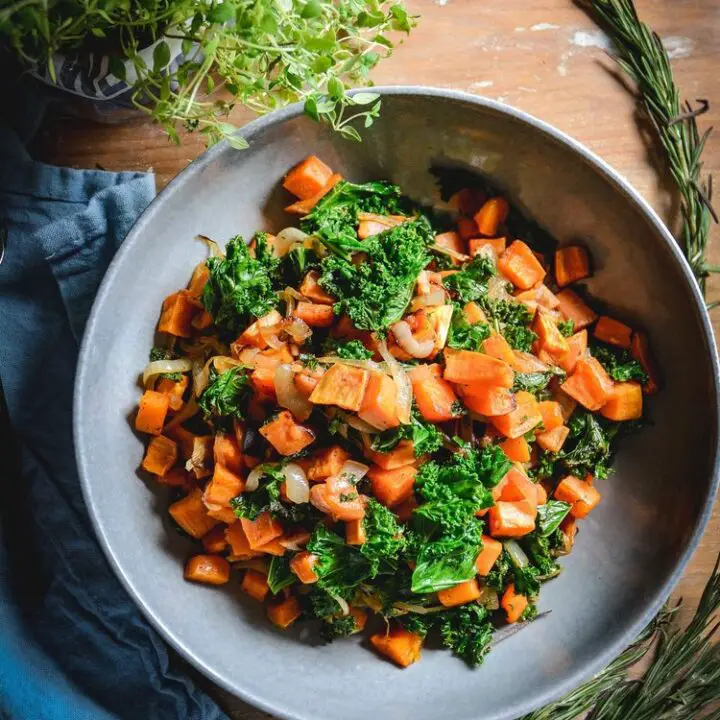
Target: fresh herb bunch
{"points": [[258, 53], [640, 53]]}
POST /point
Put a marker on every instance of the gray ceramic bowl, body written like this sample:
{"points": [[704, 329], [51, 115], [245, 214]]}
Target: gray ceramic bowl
{"points": [[631, 550]]}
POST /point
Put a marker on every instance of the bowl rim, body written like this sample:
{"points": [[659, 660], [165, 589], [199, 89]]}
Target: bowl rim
{"points": [[277, 117]]}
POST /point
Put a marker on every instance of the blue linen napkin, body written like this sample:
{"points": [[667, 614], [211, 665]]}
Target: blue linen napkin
{"points": [[73, 646]]}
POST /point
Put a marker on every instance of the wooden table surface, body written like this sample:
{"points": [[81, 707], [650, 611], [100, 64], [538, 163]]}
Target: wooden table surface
{"points": [[543, 56]]}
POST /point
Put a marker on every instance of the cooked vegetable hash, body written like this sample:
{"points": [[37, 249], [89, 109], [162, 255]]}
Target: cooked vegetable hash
{"points": [[388, 412]]}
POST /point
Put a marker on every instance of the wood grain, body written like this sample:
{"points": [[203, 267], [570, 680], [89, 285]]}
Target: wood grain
{"points": [[543, 56]]}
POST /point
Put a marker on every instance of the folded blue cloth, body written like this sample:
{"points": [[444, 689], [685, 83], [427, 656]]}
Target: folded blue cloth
{"points": [[72, 643]]}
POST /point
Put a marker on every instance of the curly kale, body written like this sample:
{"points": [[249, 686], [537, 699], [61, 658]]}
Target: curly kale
{"points": [[513, 320], [374, 294], [350, 350], [338, 627], [240, 286], [471, 282], [618, 363], [225, 396], [425, 436], [158, 353], [464, 336]]}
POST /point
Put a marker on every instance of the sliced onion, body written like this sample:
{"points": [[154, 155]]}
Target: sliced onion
{"points": [[402, 383], [353, 471], [288, 395], [498, 289], [296, 541], [356, 423], [189, 409], [317, 498], [366, 364], [201, 374], [489, 598], [158, 367], [344, 607], [431, 299], [419, 609], [298, 330], [450, 252], [245, 354], [288, 237], [517, 554], [270, 333], [289, 305], [214, 248], [253, 479], [423, 283], [293, 293], [405, 339], [297, 487]]}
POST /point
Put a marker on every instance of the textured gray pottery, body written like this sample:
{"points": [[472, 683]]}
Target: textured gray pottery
{"points": [[630, 551]]}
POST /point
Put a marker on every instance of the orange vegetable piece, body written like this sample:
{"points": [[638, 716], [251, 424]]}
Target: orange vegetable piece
{"points": [[640, 350], [613, 332], [226, 451], [528, 363], [191, 514], [311, 289], [498, 347], [625, 402], [252, 335], [473, 313], [355, 532], [303, 207], [303, 565], [224, 486], [553, 440], [460, 594], [577, 345], [327, 462], [513, 603], [402, 454], [538, 295], [274, 547], [255, 584], [491, 216], [161, 455], [517, 449], [263, 385], [392, 487], [511, 519], [589, 384], [468, 368], [316, 316], [518, 487], [542, 496], [524, 418], [581, 495], [342, 499], [306, 382], [379, 404], [434, 396], [573, 308], [466, 228], [551, 412], [488, 400], [239, 544], [152, 412], [200, 276], [491, 551], [184, 438], [550, 338], [571, 264], [308, 178], [177, 477], [519, 264], [361, 618], [261, 531], [177, 314], [174, 390], [210, 569], [467, 201], [399, 645], [342, 385], [477, 244], [285, 613], [214, 541], [452, 241], [285, 435], [223, 514]]}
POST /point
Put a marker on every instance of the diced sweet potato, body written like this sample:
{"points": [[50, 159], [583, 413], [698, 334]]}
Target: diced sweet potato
{"points": [[398, 644], [392, 487], [285, 613], [466, 228], [511, 519], [517, 449], [553, 440], [261, 531], [191, 514], [613, 332], [513, 603], [452, 241], [177, 314], [550, 338], [304, 207], [519, 265], [355, 532], [625, 402], [498, 347], [342, 385], [379, 404], [589, 384], [488, 400], [491, 551], [252, 335], [435, 397], [285, 435], [209, 569], [214, 541], [522, 419], [577, 345], [517, 487], [474, 314], [152, 412], [402, 454], [491, 216], [224, 486], [327, 462], [303, 565], [551, 412], [460, 594], [307, 178], [312, 290], [581, 495], [239, 543], [640, 350], [316, 316], [161, 455], [226, 451], [571, 264], [174, 389], [200, 276], [255, 584], [573, 308], [467, 368]]}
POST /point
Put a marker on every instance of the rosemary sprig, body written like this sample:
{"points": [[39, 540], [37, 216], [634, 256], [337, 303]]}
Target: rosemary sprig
{"points": [[681, 683], [640, 53]]}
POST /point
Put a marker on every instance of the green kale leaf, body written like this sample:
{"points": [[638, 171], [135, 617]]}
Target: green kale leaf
{"points": [[350, 350], [535, 382], [385, 539], [225, 396], [374, 294], [513, 321], [158, 353], [425, 436], [279, 574], [333, 628], [471, 282], [466, 631], [618, 363], [566, 328], [550, 516], [587, 449], [538, 550], [464, 336], [240, 286]]}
